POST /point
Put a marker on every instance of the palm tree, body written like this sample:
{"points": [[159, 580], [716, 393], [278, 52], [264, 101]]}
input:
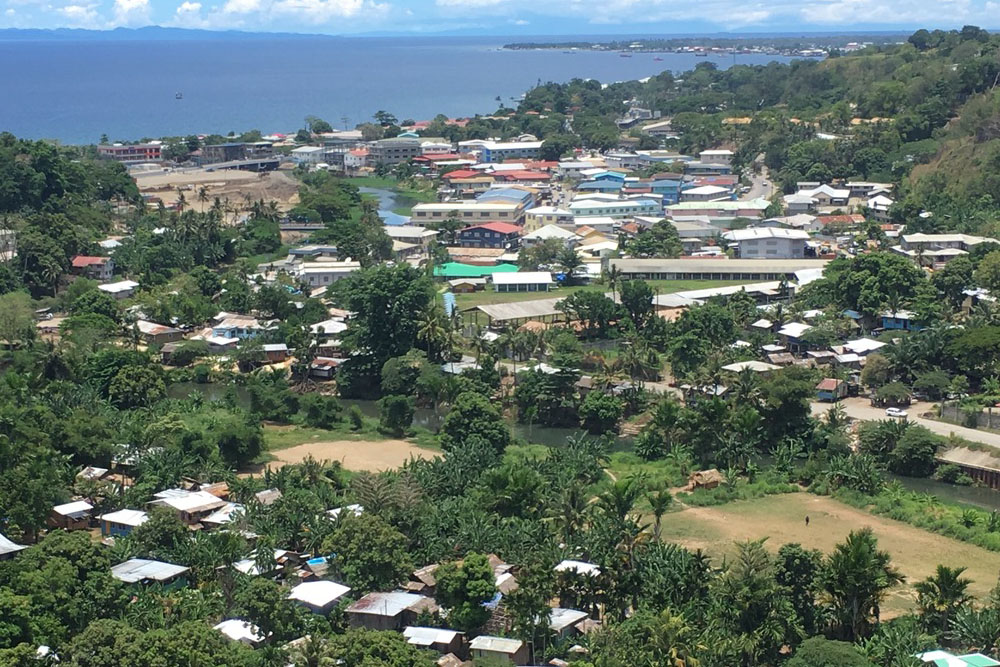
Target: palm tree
{"points": [[857, 577], [941, 595], [659, 503], [614, 277], [746, 387], [312, 652], [181, 200], [431, 331], [620, 498]]}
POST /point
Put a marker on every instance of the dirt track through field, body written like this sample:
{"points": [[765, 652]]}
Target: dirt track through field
{"points": [[914, 551], [354, 454]]}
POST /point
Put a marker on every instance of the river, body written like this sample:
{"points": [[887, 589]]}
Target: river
{"points": [[387, 201]]}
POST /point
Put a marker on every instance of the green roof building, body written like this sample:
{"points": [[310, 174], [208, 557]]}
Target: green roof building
{"points": [[452, 270]]}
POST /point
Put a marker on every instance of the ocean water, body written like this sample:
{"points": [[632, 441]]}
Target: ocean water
{"points": [[75, 91]]}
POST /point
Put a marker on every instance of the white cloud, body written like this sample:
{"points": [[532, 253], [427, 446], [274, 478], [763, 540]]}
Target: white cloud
{"points": [[468, 4], [188, 15], [10, 11], [79, 16], [521, 22], [131, 13], [321, 11], [241, 6]]}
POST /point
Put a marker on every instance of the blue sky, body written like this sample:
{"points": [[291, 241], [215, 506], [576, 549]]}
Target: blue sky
{"points": [[501, 17]]}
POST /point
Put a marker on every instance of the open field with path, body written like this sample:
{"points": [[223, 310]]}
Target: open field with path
{"points": [[354, 454], [914, 551]]}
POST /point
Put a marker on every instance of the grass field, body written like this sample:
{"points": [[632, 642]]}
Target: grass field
{"points": [[782, 519], [488, 296]]}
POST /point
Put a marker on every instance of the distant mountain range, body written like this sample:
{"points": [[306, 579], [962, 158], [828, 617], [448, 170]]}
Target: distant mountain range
{"points": [[149, 33]]}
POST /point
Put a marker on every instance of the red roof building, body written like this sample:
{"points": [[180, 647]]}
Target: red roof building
{"points": [[461, 173], [83, 261], [522, 175]]}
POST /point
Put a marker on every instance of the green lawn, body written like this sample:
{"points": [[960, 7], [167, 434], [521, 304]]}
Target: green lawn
{"points": [[488, 296]]}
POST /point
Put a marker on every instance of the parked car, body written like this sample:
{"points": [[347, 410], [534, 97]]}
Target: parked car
{"points": [[895, 412]]}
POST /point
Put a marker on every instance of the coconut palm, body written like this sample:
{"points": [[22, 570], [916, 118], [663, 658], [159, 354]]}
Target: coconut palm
{"points": [[431, 332], [620, 498], [613, 276]]}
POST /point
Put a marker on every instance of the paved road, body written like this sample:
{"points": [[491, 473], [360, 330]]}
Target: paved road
{"points": [[861, 408], [760, 185]]}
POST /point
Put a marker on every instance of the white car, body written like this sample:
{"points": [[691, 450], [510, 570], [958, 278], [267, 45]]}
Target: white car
{"points": [[895, 412]]}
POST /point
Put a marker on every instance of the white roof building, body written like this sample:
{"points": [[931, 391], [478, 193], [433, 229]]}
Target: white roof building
{"points": [[496, 644], [523, 278], [76, 509], [755, 366], [131, 518], [794, 329], [425, 637], [139, 570], [563, 618], [120, 287], [240, 631], [579, 567], [318, 595], [764, 233], [863, 346], [354, 509], [8, 547], [550, 232]]}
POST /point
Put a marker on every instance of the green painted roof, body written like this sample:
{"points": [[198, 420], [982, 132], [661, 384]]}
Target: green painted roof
{"points": [[978, 660], [459, 270]]}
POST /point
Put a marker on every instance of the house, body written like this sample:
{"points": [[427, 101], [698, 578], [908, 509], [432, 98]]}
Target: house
{"points": [[799, 203], [308, 155], [144, 571], [863, 346], [540, 216], [388, 611], [355, 159], [123, 289], [831, 389], [900, 320], [121, 523], [522, 281], [420, 236], [699, 168], [759, 367], [318, 596], [324, 368], [706, 193], [716, 156], [435, 639], [826, 195], [240, 631], [878, 207], [713, 269], [223, 516], [275, 352], [157, 334], [706, 479], [791, 335], [95, 268], [319, 274], [768, 242], [490, 235], [563, 622], [191, 506], [235, 326], [9, 549], [513, 651], [547, 232], [71, 516]]}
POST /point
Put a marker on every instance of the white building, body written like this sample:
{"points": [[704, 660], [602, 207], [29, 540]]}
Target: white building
{"points": [[706, 193], [309, 155], [614, 208], [537, 217], [522, 281], [550, 232], [719, 156], [469, 211], [318, 274], [768, 242]]}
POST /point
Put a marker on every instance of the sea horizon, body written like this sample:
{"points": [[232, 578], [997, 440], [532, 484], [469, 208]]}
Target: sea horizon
{"points": [[74, 92]]}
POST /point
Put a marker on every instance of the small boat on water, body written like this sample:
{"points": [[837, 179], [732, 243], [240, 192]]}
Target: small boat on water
{"points": [[658, 59], [625, 55], [178, 96], [701, 54]]}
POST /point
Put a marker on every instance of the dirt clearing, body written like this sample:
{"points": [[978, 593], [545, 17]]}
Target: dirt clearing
{"points": [[782, 518], [372, 455]]}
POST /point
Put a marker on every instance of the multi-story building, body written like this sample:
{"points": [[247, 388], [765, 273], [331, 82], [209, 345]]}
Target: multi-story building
{"points": [[490, 235], [469, 211], [614, 208], [540, 216], [394, 150], [498, 151], [236, 150], [131, 153], [95, 268], [768, 242]]}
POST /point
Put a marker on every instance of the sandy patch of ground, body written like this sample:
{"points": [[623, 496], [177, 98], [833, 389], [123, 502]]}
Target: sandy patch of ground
{"points": [[355, 454], [782, 518], [230, 184]]}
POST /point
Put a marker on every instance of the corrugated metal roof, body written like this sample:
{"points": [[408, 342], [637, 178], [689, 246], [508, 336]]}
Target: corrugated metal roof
{"points": [[137, 570]]}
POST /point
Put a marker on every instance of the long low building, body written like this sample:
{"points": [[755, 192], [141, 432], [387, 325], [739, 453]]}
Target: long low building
{"points": [[714, 269]]}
